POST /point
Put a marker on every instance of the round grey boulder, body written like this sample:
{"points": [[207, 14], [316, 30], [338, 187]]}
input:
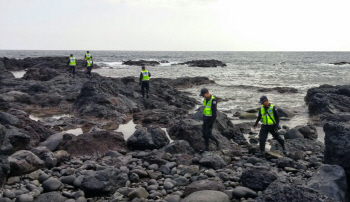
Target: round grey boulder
{"points": [[293, 134], [52, 184], [207, 196], [25, 198]]}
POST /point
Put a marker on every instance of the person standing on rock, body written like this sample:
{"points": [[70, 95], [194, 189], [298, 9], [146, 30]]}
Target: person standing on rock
{"points": [[88, 56], [72, 62], [270, 119], [144, 81], [209, 117], [89, 65]]}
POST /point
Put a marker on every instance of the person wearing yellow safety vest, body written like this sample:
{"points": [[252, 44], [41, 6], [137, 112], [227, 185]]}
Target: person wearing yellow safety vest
{"points": [[270, 119], [209, 117], [88, 56], [89, 65], [72, 62], [144, 81]]}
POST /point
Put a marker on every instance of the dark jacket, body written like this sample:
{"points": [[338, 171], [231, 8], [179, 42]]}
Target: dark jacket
{"points": [[275, 114], [211, 118], [141, 76]]}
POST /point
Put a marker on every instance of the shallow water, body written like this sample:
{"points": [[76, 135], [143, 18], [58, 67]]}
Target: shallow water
{"points": [[18, 74], [40, 118], [129, 128], [76, 131]]}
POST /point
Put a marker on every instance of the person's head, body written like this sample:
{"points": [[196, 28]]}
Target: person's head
{"points": [[264, 101], [143, 67], [71, 55], [205, 93], [87, 51]]}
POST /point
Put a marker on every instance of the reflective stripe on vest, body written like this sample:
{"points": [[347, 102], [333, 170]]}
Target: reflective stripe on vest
{"points": [[87, 56], [266, 120], [207, 106], [89, 63], [145, 75], [72, 61]]}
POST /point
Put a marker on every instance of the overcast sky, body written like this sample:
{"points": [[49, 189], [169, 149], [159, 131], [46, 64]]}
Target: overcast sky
{"points": [[175, 25]]}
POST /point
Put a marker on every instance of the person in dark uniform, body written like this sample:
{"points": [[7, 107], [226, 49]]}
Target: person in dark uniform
{"points": [[87, 56], [270, 119], [72, 62], [144, 81], [89, 65], [209, 117]]}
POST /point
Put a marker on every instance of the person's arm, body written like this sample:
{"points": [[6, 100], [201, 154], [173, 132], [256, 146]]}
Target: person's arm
{"points": [[68, 62], [214, 110], [141, 78], [149, 74], [258, 119], [276, 115]]}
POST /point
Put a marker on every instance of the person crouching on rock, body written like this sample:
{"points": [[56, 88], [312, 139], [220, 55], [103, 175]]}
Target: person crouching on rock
{"points": [[89, 65], [144, 81], [209, 117], [72, 62], [270, 118]]}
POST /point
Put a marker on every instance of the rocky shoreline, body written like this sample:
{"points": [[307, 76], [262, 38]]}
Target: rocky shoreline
{"points": [[41, 162]]}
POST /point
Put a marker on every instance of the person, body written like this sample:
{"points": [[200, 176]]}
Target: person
{"points": [[270, 119], [144, 81], [88, 56], [209, 117], [89, 65], [72, 62]]}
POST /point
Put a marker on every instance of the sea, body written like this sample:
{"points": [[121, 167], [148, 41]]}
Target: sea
{"points": [[237, 83]]}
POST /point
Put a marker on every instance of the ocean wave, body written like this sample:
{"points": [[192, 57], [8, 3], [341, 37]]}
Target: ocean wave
{"points": [[110, 64]]}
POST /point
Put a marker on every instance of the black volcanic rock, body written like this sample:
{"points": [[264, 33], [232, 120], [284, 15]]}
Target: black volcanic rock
{"points": [[58, 63], [340, 63], [148, 138], [327, 98], [204, 63], [281, 191], [141, 63], [279, 90]]}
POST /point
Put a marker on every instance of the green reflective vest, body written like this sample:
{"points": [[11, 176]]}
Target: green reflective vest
{"points": [[145, 75], [89, 63], [72, 61], [266, 120], [88, 56], [207, 106]]}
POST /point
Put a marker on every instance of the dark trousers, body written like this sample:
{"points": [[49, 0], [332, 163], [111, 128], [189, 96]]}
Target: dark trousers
{"points": [[72, 70], [144, 85], [89, 70], [207, 128], [265, 130]]}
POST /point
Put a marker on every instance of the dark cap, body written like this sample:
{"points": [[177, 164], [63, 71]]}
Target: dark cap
{"points": [[203, 91], [262, 99]]}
